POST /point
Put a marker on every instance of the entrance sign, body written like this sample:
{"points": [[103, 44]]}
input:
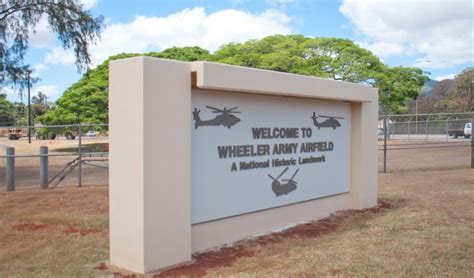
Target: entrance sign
{"points": [[204, 154], [272, 151]]}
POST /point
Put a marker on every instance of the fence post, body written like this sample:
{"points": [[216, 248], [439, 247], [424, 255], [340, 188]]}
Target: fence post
{"points": [[79, 150], [385, 144], [393, 129], [10, 152], [409, 131], [44, 167], [426, 128], [446, 126]]}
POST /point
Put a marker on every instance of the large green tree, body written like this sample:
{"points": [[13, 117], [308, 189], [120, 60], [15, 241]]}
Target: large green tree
{"points": [[75, 27], [86, 101], [338, 59], [397, 85], [7, 111]]}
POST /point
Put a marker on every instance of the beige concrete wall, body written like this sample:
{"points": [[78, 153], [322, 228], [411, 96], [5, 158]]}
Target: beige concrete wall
{"points": [[126, 164], [167, 163], [364, 158], [150, 158], [223, 231], [215, 76], [150, 163]]}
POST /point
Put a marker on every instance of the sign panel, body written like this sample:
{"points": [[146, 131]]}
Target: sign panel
{"points": [[254, 152]]}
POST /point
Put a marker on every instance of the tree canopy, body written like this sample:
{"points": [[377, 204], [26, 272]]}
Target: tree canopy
{"points": [[75, 27], [86, 100], [6, 111], [334, 58], [338, 59], [397, 85], [449, 95]]}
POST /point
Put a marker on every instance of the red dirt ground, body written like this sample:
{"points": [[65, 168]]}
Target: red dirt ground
{"points": [[226, 256], [29, 227], [68, 229]]}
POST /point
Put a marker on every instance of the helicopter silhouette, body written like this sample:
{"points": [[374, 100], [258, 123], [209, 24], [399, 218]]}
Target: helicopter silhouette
{"points": [[283, 188], [225, 118], [329, 122]]}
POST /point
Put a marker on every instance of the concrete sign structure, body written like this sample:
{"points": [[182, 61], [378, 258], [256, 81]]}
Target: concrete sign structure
{"points": [[203, 154]]}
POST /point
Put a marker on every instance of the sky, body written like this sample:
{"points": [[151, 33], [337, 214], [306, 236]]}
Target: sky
{"points": [[434, 35]]}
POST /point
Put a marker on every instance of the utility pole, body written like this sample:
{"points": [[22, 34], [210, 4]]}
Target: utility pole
{"points": [[29, 107]]}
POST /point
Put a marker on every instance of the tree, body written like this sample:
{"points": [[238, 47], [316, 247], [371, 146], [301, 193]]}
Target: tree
{"points": [[448, 96], [397, 85], [7, 116], [333, 58], [189, 53], [338, 59], [75, 27], [458, 98], [86, 101], [39, 105]]}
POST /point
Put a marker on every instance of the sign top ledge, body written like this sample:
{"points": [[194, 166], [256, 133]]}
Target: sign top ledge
{"points": [[217, 76]]}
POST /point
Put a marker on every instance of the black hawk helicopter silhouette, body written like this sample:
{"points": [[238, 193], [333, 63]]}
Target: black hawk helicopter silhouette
{"points": [[329, 122], [283, 188], [225, 118]]}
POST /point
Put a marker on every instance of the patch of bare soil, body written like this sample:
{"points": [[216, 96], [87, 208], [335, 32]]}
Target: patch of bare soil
{"points": [[28, 227], [226, 256], [32, 227]]}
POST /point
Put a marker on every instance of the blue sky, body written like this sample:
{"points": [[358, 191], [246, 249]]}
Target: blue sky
{"points": [[400, 32]]}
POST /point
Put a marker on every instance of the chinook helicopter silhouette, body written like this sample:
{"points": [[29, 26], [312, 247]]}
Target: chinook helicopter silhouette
{"points": [[225, 118], [283, 188], [329, 122]]}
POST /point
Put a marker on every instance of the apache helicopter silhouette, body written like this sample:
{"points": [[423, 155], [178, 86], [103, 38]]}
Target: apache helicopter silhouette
{"points": [[329, 122], [225, 118], [283, 188]]}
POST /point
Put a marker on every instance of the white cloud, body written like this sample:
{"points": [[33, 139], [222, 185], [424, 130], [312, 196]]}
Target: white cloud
{"points": [[441, 31], [51, 91], [188, 27], [89, 4], [8, 91], [385, 49], [276, 2], [447, 76], [280, 4], [48, 90], [59, 56], [37, 69], [42, 36]]}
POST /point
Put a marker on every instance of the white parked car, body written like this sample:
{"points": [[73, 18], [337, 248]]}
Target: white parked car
{"points": [[468, 130], [91, 133]]}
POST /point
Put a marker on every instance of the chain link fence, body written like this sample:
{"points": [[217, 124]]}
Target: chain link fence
{"points": [[77, 155], [417, 142]]}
